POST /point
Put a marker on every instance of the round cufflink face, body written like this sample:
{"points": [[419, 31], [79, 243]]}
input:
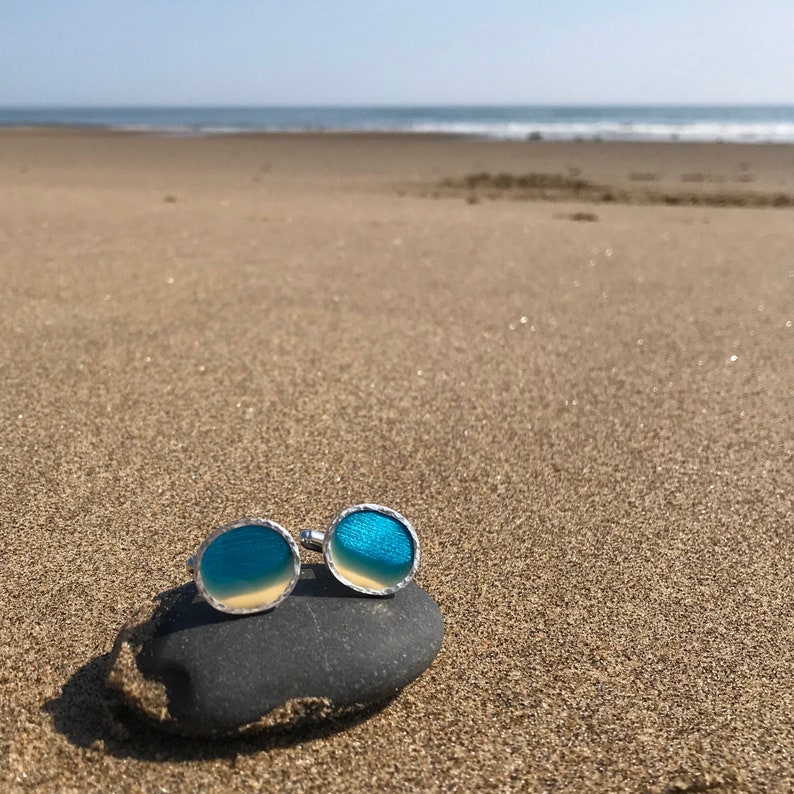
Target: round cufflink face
{"points": [[371, 549], [248, 566]]}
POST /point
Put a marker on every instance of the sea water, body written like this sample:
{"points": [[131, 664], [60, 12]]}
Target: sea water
{"points": [[706, 123]]}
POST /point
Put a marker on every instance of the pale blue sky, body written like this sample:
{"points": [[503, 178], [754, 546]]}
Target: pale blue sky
{"points": [[298, 52]]}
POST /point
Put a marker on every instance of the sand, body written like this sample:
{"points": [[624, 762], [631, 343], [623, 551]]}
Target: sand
{"points": [[589, 424]]}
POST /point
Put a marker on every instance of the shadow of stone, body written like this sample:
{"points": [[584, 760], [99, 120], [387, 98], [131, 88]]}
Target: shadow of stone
{"points": [[90, 715]]}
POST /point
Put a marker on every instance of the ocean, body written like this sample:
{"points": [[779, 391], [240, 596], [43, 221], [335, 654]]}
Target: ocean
{"points": [[706, 123]]}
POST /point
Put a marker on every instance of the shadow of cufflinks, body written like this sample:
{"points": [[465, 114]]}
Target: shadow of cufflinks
{"points": [[315, 581]]}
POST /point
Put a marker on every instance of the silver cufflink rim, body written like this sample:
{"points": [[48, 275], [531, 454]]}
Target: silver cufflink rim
{"points": [[193, 565], [315, 540]]}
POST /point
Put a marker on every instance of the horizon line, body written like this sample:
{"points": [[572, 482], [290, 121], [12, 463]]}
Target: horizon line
{"points": [[375, 106]]}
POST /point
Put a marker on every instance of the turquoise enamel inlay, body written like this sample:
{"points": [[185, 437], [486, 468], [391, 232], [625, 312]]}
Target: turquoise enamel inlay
{"points": [[372, 550], [247, 567]]}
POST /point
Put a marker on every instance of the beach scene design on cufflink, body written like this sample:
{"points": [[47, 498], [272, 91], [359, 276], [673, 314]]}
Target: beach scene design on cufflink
{"points": [[370, 548], [246, 566]]}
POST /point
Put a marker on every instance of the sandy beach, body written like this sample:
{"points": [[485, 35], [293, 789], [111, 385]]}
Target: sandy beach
{"points": [[576, 382]]}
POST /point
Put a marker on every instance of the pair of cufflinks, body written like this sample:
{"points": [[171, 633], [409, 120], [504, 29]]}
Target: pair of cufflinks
{"points": [[253, 564]]}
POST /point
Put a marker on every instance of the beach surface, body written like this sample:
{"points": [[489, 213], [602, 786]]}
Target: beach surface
{"points": [[582, 400]]}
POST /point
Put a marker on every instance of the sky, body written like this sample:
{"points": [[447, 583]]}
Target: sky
{"points": [[395, 52]]}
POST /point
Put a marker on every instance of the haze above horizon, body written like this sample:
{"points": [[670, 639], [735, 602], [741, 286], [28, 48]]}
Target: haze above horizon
{"points": [[380, 53]]}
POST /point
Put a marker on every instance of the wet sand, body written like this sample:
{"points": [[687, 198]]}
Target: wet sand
{"points": [[589, 424]]}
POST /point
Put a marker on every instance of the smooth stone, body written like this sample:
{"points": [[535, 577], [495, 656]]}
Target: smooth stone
{"points": [[326, 650]]}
